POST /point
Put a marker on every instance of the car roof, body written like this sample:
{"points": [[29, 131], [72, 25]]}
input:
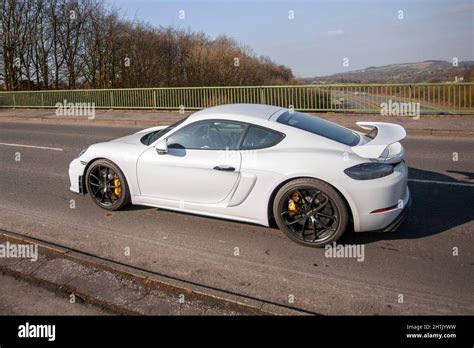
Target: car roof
{"points": [[257, 111]]}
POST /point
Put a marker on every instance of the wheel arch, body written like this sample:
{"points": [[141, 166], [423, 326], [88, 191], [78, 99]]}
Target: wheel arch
{"points": [[350, 205], [91, 161]]}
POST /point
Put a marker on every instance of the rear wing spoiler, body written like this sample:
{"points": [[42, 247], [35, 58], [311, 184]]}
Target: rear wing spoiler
{"points": [[387, 134]]}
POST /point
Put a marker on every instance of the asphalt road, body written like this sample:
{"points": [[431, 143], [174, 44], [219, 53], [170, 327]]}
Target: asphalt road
{"points": [[411, 271], [371, 101]]}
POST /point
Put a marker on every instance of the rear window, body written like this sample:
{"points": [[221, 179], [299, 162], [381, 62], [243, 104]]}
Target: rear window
{"points": [[259, 138], [320, 127]]}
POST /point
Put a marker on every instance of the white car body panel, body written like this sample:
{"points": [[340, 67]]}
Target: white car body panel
{"points": [[185, 180], [187, 175]]}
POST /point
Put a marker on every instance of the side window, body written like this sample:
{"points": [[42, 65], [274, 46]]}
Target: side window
{"points": [[258, 138], [211, 135]]}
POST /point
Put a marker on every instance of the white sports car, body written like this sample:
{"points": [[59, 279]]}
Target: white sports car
{"points": [[256, 163]]}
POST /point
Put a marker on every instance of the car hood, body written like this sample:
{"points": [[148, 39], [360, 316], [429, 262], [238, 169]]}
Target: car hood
{"points": [[135, 138]]}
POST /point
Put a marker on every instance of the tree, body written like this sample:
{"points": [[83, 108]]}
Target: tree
{"points": [[84, 44]]}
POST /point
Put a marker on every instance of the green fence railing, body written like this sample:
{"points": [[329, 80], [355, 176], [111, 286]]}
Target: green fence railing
{"points": [[370, 98]]}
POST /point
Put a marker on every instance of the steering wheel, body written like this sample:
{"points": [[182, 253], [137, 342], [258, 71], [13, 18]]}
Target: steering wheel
{"points": [[212, 141]]}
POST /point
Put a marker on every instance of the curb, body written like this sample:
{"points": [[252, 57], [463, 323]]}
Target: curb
{"points": [[214, 298]]}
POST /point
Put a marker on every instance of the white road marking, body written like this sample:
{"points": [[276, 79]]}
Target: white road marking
{"points": [[34, 147], [442, 182]]}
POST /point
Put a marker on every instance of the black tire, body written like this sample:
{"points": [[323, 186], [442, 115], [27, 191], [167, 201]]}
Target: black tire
{"points": [[103, 189], [326, 221]]}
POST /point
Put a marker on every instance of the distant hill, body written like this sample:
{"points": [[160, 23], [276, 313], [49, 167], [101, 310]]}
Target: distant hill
{"points": [[427, 71]]}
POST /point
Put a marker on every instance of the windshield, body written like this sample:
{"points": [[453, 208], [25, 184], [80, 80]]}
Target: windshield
{"points": [[320, 127], [150, 138]]}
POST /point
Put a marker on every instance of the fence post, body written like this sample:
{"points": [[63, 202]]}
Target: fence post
{"points": [[330, 98], [14, 100], [262, 95], [111, 99], [42, 99], [154, 99]]}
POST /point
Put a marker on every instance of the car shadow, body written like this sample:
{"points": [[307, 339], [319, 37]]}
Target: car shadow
{"points": [[436, 208], [468, 175], [132, 207]]}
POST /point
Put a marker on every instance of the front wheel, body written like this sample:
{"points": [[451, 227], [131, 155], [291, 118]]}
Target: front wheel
{"points": [[107, 186], [310, 212]]}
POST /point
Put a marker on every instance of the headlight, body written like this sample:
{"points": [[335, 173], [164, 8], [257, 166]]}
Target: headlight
{"points": [[367, 171], [83, 151]]}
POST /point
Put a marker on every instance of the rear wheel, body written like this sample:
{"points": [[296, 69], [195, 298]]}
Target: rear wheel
{"points": [[107, 186], [310, 212]]}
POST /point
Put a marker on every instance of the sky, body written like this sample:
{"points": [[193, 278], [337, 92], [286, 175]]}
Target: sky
{"points": [[316, 37]]}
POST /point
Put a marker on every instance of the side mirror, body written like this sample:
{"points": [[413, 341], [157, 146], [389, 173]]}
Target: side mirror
{"points": [[161, 147]]}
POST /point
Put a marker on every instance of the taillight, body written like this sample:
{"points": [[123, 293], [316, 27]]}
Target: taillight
{"points": [[370, 170]]}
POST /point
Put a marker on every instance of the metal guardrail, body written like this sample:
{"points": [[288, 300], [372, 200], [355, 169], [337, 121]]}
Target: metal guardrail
{"points": [[366, 98]]}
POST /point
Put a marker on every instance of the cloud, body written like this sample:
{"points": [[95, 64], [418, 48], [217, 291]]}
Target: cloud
{"points": [[338, 32]]}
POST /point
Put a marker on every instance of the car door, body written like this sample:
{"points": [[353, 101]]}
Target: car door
{"points": [[201, 165]]}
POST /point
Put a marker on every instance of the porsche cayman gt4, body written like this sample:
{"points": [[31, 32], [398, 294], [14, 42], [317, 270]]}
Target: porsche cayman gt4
{"points": [[256, 163]]}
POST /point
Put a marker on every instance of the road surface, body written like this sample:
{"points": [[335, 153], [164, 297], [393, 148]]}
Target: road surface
{"points": [[348, 100]]}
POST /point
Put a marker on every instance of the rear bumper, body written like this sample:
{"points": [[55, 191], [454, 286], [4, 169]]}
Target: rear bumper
{"points": [[393, 226], [372, 195]]}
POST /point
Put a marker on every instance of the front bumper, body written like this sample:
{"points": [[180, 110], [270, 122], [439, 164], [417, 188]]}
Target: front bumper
{"points": [[76, 172]]}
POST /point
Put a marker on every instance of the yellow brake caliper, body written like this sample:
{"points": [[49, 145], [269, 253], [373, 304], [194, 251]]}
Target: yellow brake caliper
{"points": [[118, 188], [292, 208]]}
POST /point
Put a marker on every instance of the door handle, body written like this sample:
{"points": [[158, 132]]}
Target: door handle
{"points": [[224, 168]]}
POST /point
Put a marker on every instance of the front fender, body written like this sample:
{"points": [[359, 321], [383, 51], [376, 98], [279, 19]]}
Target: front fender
{"points": [[123, 155]]}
